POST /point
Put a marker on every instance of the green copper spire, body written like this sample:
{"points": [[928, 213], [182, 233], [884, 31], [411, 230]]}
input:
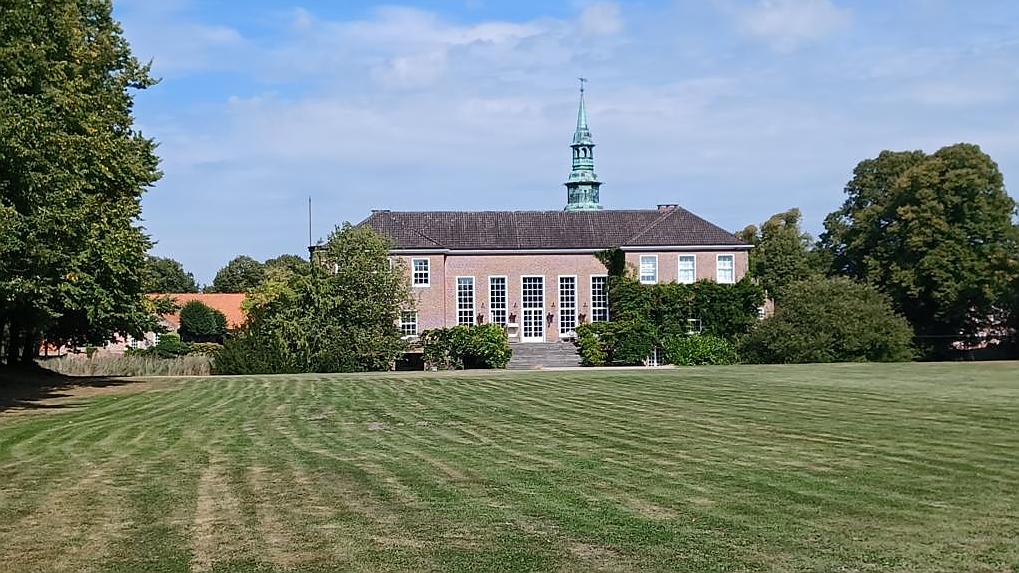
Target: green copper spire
{"points": [[583, 185]]}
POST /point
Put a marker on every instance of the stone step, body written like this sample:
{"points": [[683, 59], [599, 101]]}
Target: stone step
{"points": [[529, 356]]}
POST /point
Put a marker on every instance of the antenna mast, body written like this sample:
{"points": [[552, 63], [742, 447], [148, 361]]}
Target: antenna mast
{"points": [[311, 245]]}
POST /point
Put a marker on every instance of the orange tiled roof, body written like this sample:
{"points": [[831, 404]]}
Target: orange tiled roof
{"points": [[227, 303]]}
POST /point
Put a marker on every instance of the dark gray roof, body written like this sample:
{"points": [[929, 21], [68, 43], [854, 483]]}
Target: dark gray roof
{"points": [[504, 230]]}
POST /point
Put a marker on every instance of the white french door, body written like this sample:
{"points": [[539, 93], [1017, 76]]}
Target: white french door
{"points": [[532, 309]]}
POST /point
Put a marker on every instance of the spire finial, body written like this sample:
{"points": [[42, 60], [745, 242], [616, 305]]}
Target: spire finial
{"points": [[582, 187]]}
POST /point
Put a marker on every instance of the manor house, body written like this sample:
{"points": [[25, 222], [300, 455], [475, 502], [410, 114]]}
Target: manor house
{"points": [[535, 272]]}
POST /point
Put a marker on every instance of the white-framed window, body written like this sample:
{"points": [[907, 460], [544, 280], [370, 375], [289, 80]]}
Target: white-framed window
{"points": [[497, 300], [465, 301], [599, 298], [409, 322], [567, 306], [687, 269], [421, 275], [725, 269], [649, 269]]}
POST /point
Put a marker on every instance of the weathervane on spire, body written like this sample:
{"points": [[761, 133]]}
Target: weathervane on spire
{"points": [[582, 82]]}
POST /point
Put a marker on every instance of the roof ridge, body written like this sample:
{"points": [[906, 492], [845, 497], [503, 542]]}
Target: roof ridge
{"points": [[654, 224], [427, 238]]}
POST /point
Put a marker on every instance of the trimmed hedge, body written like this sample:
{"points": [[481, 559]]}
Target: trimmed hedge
{"points": [[466, 347], [698, 350], [615, 343]]}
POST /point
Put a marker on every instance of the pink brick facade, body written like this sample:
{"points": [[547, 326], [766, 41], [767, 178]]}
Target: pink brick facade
{"points": [[437, 304]]}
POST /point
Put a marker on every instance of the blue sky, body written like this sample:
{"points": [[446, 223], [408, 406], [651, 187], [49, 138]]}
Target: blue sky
{"points": [[735, 109]]}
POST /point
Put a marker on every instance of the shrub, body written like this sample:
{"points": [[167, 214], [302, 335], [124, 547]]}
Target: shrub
{"points": [[466, 347], [620, 343], [593, 343], [633, 341], [168, 346], [698, 350], [830, 320], [243, 353], [204, 348], [201, 323]]}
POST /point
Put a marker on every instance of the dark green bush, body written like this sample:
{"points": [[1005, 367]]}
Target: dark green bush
{"points": [[633, 342], [830, 320], [201, 323], [593, 343], [724, 310], [698, 350], [621, 343], [245, 353], [466, 347]]}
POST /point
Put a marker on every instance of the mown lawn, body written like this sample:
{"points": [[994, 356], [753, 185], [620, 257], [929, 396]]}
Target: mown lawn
{"points": [[842, 468]]}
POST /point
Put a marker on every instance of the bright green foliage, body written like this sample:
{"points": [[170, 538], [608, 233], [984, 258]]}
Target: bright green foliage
{"points": [[698, 350], [170, 346], [830, 320], [242, 274], [201, 323], [165, 275], [72, 171], [781, 253], [593, 351], [338, 315], [466, 347], [935, 232], [617, 343], [722, 310], [645, 316]]}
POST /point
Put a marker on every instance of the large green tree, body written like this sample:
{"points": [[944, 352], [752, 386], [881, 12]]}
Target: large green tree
{"points": [[781, 253], [241, 274], [165, 275], [338, 315], [935, 232], [72, 171]]}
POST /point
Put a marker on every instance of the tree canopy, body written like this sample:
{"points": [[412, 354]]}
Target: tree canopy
{"points": [[165, 275], [287, 261], [338, 315], [781, 253], [72, 171], [935, 232], [242, 274]]}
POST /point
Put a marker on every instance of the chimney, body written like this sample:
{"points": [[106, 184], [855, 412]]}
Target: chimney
{"points": [[666, 207]]}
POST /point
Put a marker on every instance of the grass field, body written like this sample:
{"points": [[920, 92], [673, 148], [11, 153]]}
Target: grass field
{"points": [[843, 468]]}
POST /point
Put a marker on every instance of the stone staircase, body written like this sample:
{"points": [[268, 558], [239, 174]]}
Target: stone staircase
{"points": [[543, 355]]}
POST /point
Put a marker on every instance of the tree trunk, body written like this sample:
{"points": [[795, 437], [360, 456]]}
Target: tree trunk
{"points": [[29, 346], [4, 340], [13, 348]]}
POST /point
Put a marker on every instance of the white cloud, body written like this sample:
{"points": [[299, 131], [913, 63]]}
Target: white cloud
{"points": [[601, 19], [788, 24]]}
